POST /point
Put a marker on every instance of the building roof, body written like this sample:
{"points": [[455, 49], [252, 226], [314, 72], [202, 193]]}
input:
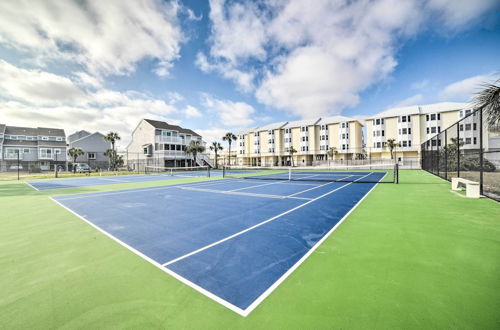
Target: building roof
{"points": [[421, 109], [337, 119], [272, 126], [83, 137], [51, 144], [7, 143], [165, 125], [301, 123], [78, 135], [34, 131], [2, 128]]}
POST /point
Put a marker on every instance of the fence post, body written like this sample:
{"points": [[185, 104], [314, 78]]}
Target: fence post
{"points": [[18, 163], [481, 151], [446, 154], [458, 149], [438, 147]]}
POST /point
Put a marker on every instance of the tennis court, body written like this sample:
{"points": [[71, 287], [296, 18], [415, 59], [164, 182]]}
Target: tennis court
{"points": [[154, 174], [233, 240]]}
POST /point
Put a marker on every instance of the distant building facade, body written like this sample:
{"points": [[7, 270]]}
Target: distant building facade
{"points": [[93, 145], [35, 148], [157, 143]]}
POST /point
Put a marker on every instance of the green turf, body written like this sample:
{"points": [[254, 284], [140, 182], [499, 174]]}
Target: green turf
{"points": [[413, 256]]}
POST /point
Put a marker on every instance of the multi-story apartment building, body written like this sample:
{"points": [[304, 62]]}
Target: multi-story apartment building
{"points": [[411, 126], [157, 143], [311, 139], [36, 149], [94, 146]]}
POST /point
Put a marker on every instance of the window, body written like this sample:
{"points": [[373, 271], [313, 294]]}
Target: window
{"points": [[378, 121], [474, 126], [405, 131], [428, 130], [404, 143], [343, 136], [433, 143], [461, 127], [403, 119], [433, 130], [467, 112], [45, 153], [59, 138], [467, 140], [374, 133], [433, 116], [26, 151], [45, 138], [91, 155], [439, 116], [382, 121], [145, 150], [409, 130], [57, 151], [378, 144], [468, 127], [475, 140], [409, 143], [382, 132], [426, 117]]}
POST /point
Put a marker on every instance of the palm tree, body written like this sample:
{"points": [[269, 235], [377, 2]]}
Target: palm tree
{"points": [[194, 147], [292, 151], [332, 151], [229, 137], [392, 144], [74, 153], [216, 147], [112, 137], [489, 100], [111, 154]]}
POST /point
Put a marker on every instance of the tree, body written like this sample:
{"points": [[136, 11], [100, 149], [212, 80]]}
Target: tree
{"points": [[194, 147], [392, 144], [216, 147], [292, 151], [229, 137], [74, 153], [112, 137], [489, 100]]}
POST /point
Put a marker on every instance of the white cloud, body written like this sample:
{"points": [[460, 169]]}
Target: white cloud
{"points": [[192, 112], [37, 87], [420, 84], [316, 59], [412, 100], [230, 114], [107, 37], [213, 135], [465, 89], [37, 98]]}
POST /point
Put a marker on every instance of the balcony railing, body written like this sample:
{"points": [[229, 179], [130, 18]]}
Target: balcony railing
{"points": [[13, 156]]}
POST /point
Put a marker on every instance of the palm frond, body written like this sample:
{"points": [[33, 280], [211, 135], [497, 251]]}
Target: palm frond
{"points": [[488, 100]]}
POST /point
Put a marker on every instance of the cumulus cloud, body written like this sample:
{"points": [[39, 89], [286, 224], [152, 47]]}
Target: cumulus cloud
{"points": [[192, 112], [230, 114], [412, 100], [37, 98], [316, 59], [106, 37], [463, 90]]}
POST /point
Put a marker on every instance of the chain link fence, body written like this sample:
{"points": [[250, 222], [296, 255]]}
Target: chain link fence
{"points": [[468, 149]]}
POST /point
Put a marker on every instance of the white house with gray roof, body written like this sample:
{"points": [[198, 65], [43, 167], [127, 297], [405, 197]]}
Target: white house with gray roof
{"points": [[36, 149], [157, 143]]}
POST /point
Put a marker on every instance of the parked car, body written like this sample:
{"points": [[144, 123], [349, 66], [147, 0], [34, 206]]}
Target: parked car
{"points": [[16, 167], [82, 168]]}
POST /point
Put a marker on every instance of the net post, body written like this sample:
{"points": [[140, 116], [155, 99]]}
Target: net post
{"points": [[208, 171], [446, 154], [396, 173], [481, 155], [289, 174]]}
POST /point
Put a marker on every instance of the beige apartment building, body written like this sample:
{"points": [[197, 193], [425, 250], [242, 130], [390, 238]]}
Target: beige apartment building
{"points": [[270, 145], [413, 125]]}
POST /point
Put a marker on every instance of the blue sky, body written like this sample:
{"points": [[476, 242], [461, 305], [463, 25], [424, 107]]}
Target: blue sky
{"points": [[217, 66]]}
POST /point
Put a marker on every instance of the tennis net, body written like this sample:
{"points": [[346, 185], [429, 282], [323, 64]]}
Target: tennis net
{"points": [[380, 173], [195, 171]]}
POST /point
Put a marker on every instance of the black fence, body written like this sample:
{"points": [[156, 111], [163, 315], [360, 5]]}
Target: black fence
{"points": [[468, 149]]}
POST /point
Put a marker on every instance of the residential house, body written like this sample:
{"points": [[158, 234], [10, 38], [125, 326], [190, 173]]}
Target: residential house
{"points": [[35, 149], [94, 146], [157, 143]]}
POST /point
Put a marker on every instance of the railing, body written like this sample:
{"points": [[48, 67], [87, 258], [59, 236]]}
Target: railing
{"points": [[13, 156]]}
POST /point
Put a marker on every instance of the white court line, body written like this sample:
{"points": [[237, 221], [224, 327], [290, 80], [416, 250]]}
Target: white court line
{"points": [[230, 192], [303, 191], [255, 226], [259, 185], [101, 178], [29, 184], [283, 277], [198, 288]]}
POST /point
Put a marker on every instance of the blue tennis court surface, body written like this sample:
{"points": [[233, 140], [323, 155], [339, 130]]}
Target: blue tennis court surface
{"points": [[104, 180], [233, 240]]}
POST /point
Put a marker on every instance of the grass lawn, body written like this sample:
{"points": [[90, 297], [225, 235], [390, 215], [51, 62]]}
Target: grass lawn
{"points": [[413, 256]]}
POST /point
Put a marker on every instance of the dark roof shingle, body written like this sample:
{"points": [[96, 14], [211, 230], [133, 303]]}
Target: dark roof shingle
{"points": [[164, 125]]}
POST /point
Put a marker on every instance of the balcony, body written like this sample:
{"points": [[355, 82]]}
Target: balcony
{"points": [[171, 139], [10, 156], [172, 154]]}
